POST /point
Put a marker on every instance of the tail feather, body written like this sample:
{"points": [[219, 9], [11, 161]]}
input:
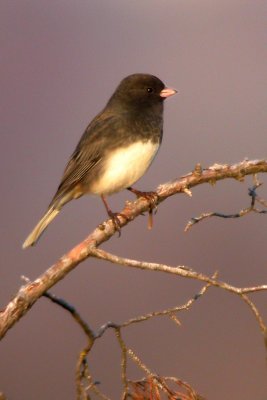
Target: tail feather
{"points": [[40, 227]]}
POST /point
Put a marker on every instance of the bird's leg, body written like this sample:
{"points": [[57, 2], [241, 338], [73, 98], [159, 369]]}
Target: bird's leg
{"points": [[152, 198], [113, 215]]}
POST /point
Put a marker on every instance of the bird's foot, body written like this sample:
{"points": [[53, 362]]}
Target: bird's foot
{"points": [[114, 216], [152, 198]]}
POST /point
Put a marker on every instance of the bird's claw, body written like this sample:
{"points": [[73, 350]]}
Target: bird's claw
{"points": [[152, 198], [114, 216]]}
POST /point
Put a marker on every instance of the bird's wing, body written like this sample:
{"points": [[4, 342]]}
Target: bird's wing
{"points": [[88, 153]]}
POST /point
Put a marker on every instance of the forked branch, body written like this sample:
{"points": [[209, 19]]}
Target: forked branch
{"points": [[29, 293]]}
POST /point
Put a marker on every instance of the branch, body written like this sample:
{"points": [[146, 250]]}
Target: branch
{"points": [[29, 293], [189, 273], [252, 208], [84, 379]]}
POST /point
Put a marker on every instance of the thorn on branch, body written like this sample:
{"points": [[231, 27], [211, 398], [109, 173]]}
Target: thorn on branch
{"points": [[198, 170], [187, 191]]}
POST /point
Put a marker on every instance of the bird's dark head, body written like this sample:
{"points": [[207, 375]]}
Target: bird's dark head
{"points": [[141, 91]]}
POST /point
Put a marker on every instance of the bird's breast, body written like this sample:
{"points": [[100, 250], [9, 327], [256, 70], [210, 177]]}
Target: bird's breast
{"points": [[124, 166]]}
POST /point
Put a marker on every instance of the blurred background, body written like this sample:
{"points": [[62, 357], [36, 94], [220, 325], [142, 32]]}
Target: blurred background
{"points": [[60, 62]]}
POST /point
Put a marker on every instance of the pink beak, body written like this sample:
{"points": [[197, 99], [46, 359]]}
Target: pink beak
{"points": [[167, 92]]}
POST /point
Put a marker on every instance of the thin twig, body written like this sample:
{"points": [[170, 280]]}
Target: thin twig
{"points": [[170, 311], [244, 211], [123, 361], [62, 303]]}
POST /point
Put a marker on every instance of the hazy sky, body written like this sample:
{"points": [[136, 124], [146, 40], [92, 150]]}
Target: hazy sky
{"points": [[60, 61]]}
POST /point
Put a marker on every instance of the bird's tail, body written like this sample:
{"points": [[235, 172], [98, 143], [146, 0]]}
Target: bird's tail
{"points": [[40, 227]]}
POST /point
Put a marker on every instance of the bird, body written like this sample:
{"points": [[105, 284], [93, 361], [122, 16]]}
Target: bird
{"points": [[116, 148]]}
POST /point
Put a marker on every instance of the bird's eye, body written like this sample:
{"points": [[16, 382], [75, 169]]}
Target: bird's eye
{"points": [[149, 89]]}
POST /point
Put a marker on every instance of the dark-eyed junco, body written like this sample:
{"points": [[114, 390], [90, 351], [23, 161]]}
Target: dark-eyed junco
{"points": [[116, 148]]}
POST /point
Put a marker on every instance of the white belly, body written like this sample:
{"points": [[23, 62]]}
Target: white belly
{"points": [[124, 167]]}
